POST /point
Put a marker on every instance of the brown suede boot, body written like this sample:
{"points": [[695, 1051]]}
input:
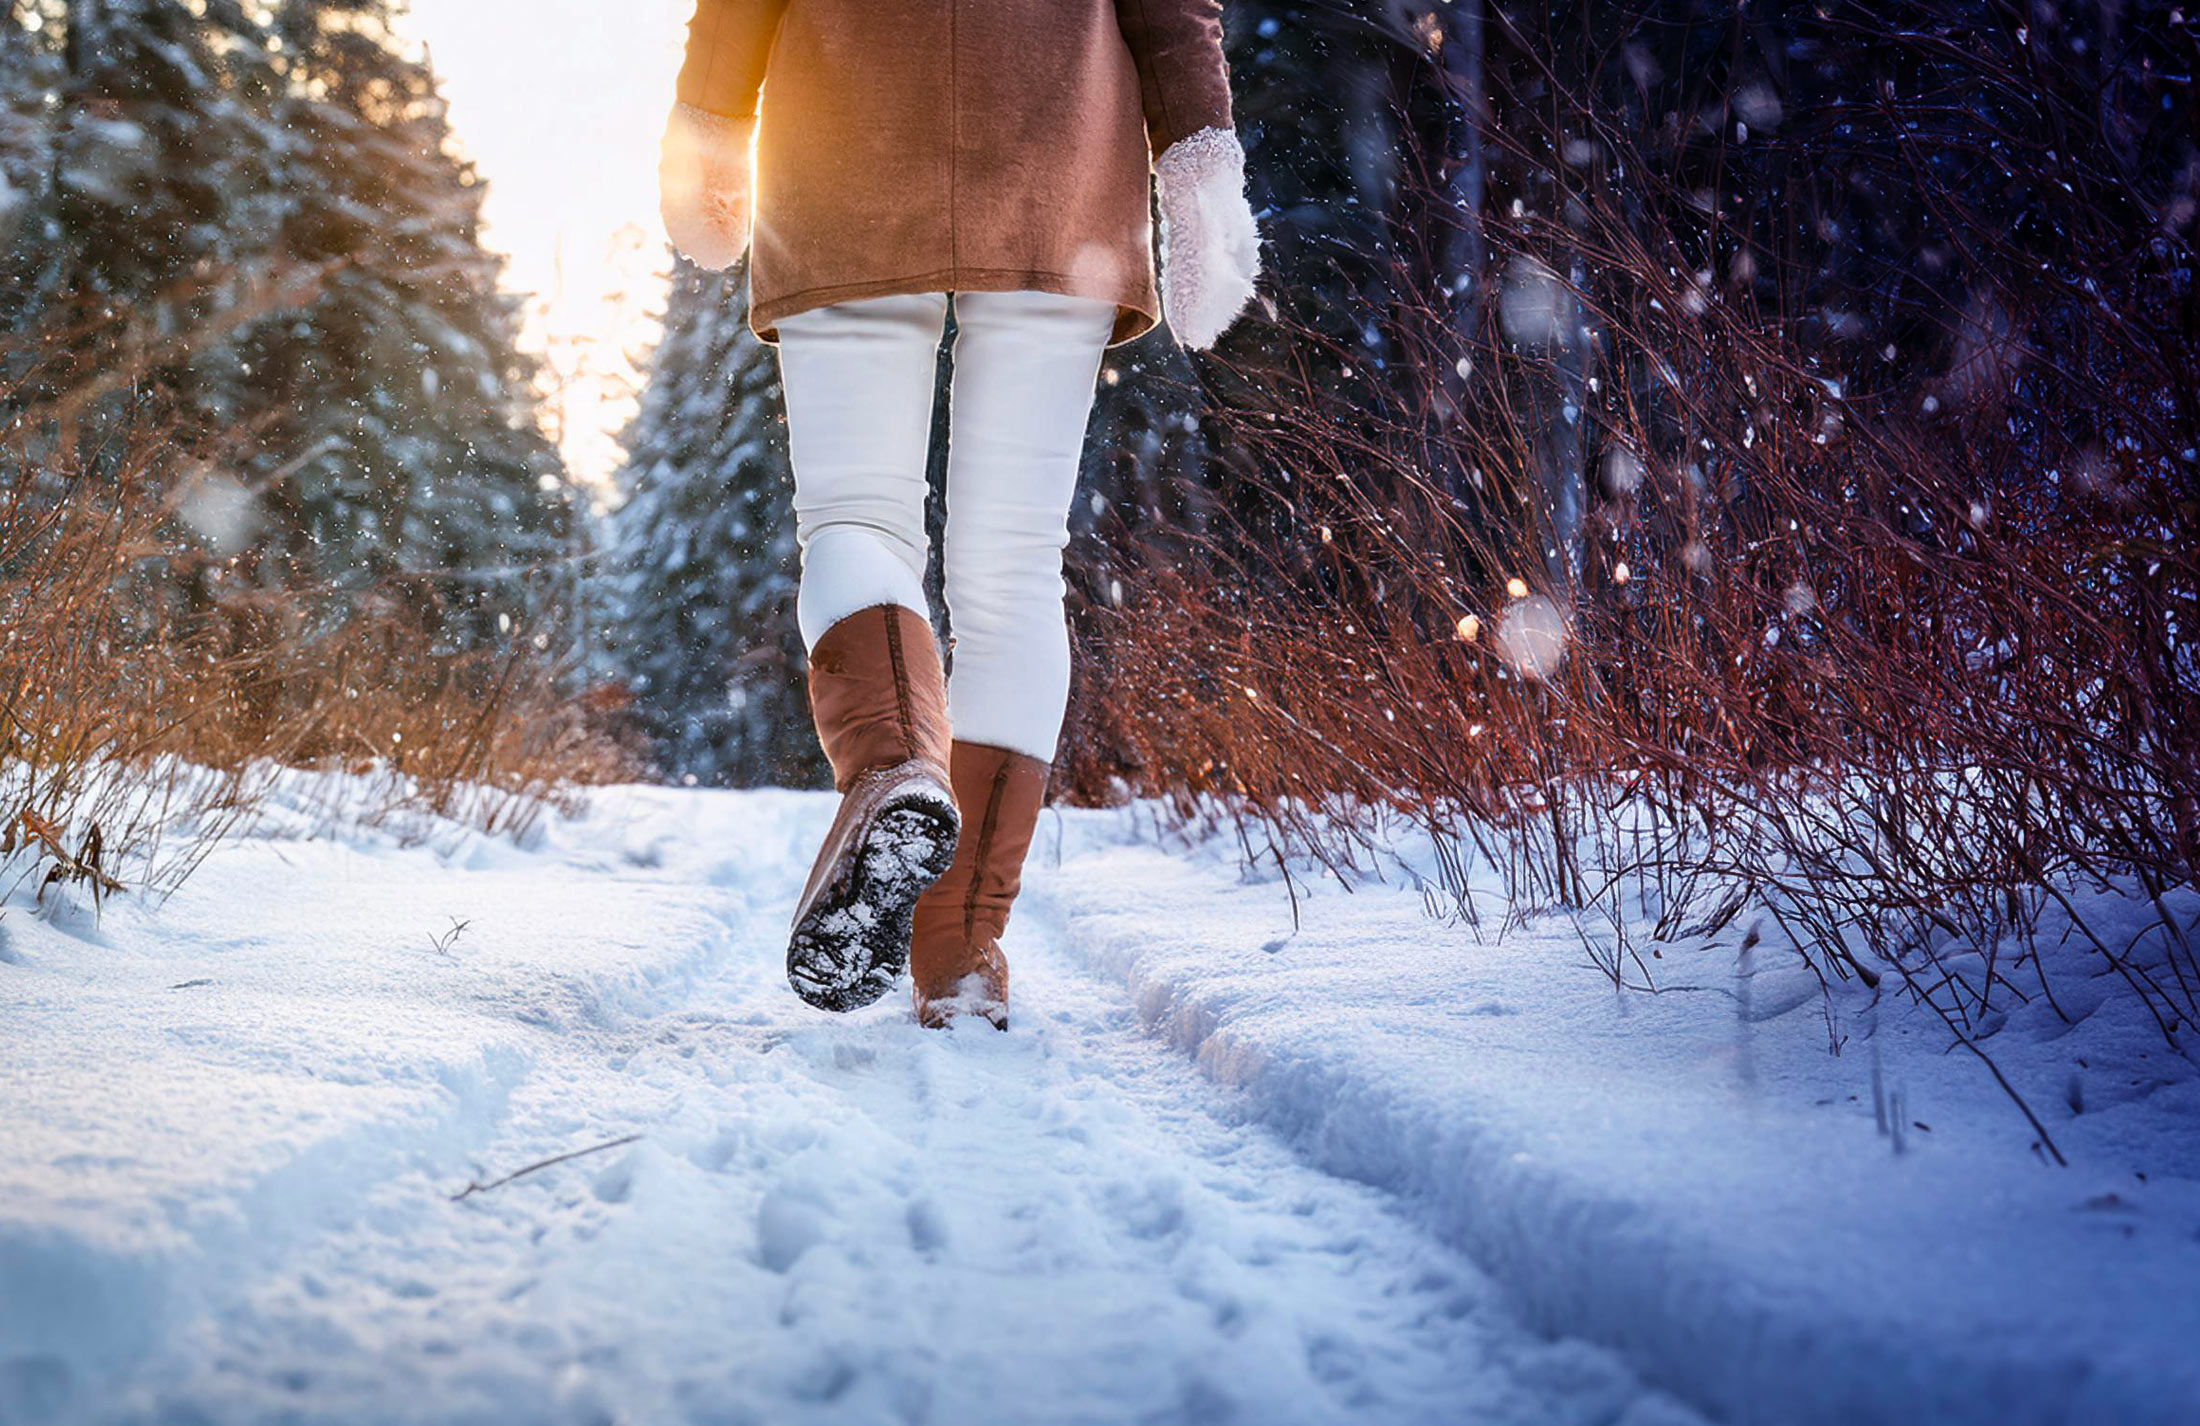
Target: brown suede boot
{"points": [[956, 962], [879, 699]]}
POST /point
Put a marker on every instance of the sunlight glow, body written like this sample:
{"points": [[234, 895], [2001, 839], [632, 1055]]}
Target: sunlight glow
{"points": [[559, 104]]}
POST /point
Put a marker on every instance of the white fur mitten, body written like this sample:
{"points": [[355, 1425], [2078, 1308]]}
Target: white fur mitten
{"points": [[703, 185], [1210, 247]]}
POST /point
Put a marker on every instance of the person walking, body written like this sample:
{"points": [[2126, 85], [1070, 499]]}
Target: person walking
{"points": [[881, 162]]}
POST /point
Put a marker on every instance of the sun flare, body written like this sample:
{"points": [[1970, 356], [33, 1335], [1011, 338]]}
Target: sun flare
{"points": [[558, 103]]}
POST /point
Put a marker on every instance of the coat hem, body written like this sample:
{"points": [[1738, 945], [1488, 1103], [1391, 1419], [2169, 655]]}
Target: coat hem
{"points": [[1136, 313]]}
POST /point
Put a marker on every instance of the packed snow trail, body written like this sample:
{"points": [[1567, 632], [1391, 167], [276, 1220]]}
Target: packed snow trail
{"points": [[235, 1127]]}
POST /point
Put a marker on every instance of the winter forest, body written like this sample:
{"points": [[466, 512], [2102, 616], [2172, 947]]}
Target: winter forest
{"points": [[1625, 847]]}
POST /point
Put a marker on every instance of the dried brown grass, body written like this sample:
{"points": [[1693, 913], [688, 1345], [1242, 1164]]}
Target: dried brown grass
{"points": [[147, 706]]}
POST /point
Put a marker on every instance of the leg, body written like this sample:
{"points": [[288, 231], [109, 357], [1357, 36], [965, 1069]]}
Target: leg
{"points": [[1024, 368], [859, 383], [858, 378]]}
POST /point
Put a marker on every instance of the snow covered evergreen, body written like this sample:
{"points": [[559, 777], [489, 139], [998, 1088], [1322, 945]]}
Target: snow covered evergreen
{"points": [[263, 206], [701, 578], [421, 405]]}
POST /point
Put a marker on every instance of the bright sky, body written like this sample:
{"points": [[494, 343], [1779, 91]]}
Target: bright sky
{"points": [[559, 104]]}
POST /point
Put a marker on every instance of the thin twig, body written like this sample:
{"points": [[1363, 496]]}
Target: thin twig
{"points": [[474, 1187]]}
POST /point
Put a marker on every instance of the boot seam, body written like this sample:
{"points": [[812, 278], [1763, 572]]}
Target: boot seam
{"points": [[902, 691], [978, 866]]}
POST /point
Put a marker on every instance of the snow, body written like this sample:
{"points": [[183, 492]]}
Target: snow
{"points": [[1407, 1172], [1691, 1177], [234, 1125]]}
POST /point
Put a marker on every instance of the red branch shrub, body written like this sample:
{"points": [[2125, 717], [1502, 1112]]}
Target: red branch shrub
{"points": [[1655, 568]]}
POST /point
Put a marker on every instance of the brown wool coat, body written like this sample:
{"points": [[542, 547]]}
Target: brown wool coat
{"points": [[956, 145]]}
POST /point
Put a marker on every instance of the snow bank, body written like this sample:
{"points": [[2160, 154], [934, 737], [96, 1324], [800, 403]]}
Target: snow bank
{"points": [[232, 1128], [193, 1092], [1693, 1177]]}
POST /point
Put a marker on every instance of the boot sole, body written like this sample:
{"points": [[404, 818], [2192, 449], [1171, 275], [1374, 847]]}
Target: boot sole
{"points": [[852, 943]]}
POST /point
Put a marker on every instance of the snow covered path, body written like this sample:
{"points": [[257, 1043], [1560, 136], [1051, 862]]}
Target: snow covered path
{"points": [[230, 1132]]}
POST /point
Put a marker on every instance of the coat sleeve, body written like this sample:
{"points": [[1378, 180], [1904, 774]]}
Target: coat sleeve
{"points": [[728, 44], [1183, 80]]}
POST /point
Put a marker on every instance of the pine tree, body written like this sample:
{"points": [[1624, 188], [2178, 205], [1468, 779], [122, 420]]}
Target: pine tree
{"points": [[137, 146], [703, 566], [374, 433], [421, 460]]}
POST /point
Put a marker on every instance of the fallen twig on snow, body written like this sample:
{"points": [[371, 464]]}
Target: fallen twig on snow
{"points": [[474, 1187]]}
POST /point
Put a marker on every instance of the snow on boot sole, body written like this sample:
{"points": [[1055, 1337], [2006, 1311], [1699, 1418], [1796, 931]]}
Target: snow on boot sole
{"points": [[850, 940]]}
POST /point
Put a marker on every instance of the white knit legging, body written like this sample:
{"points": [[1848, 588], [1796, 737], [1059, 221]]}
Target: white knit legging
{"points": [[858, 379]]}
